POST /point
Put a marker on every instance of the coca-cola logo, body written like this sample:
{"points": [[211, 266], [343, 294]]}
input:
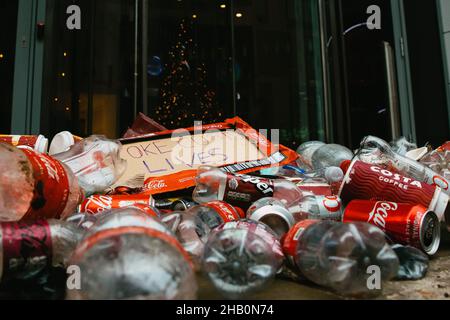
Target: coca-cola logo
{"points": [[156, 184], [380, 212], [97, 204]]}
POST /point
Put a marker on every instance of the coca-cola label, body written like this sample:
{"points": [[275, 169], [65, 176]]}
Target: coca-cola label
{"points": [[330, 207], [224, 210], [51, 187], [369, 182], [15, 140], [243, 190], [401, 222], [26, 247], [99, 203]]}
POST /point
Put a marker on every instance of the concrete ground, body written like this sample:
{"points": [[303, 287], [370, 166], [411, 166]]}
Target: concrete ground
{"points": [[435, 286]]}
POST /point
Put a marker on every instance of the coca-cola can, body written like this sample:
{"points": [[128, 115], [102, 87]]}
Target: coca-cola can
{"points": [[37, 143], [98, 203], [365, 181], [406, 224]]}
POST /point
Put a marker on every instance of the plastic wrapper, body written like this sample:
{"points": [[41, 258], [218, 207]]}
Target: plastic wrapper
{"points": [[413, 263]]}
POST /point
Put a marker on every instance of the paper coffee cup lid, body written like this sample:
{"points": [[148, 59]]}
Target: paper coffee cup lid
{"points": [[41, 145]]}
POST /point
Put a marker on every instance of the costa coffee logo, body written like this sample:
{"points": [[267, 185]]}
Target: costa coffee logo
{"points": [[156, 184], [396, 177], [380, 212]]}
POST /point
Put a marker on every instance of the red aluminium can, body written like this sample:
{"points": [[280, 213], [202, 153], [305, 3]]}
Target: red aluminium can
{"points": [[99, 203], [406, 224], [365, 181]]}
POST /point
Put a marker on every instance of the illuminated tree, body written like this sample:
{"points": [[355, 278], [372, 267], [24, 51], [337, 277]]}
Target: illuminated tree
{"points": [[184, 93]]}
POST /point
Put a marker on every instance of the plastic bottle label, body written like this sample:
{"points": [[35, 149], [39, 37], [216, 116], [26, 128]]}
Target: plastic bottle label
{"points": [[51, 189], [26, 247], [291, 239], [108, 233], [224, 210], [243, 190], [15, 140]]}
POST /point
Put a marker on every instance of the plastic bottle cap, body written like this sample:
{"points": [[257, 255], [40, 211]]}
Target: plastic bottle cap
{"points": [[41, 145], [345, 165], [334, 174], [61, 143]]}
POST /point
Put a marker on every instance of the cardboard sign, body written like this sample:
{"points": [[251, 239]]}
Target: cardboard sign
{"points": [[168, 160]]}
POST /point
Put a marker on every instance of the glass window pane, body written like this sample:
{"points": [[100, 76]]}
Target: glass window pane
{"points": [[8, 27], [188, 62], [89, 72]]}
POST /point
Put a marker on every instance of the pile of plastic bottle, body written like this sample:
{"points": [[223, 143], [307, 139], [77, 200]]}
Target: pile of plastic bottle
{"points": [[310, 221]]}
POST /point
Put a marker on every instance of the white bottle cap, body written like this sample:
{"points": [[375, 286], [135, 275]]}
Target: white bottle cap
{"points": [[334, 174], [41, 145], [61, 143]]}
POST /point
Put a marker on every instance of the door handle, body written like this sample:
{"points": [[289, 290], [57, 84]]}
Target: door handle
{"points": [[392, 90]]}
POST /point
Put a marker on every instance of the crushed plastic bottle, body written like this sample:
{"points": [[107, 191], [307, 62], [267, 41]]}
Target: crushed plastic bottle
{"points": [[132, 263], [330, 155], [96, 163], [35, 186], [241, 190], [340, 256], [28, 248], [242, 257], [139, 258], [413, 263], [402, 146], [376, 151]]}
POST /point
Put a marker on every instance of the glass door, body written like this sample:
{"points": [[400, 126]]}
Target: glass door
{"points": [[363, 72], [8, 30]]}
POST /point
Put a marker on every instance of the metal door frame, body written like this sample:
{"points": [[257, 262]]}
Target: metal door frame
{"points": [[406, 100], [28, 70]]}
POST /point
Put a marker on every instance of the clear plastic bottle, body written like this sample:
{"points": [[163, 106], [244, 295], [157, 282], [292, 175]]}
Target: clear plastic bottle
{"points": [[241, 190], [96, 162], [342, 257], [132, 263], [215, 213], [305, 152], [241, 257], [28, 248], [320, 208], [402, 146], [35, 186], [377, 151], [130, 255], [330, 155]]}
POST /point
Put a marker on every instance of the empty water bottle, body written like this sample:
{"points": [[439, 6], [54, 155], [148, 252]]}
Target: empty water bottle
{"points": [[96, 162], [330, 155], [241, 190], [242, 257], [352, 259], [306, 151]]}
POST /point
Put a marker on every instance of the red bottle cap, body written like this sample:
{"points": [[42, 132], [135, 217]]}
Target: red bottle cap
{"points": [[345, 165]]}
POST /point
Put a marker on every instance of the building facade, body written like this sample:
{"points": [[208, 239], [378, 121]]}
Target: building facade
{"points": [[315, 69]]}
